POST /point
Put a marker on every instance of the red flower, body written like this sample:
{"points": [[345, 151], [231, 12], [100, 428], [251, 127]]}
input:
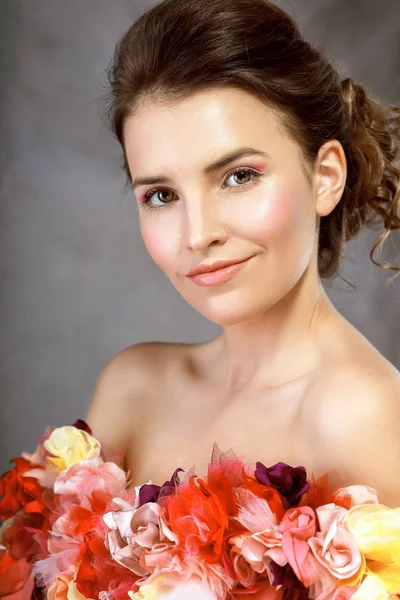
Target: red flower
{"points": [[14, 574], [198, 514], [20, 493], [98, 572]]}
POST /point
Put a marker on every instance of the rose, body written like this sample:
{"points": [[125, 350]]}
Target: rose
{"points": [[376, 531], [373, 588], [136, 532], [297, 527], [334, 547], [59, 588], [69, 446]]}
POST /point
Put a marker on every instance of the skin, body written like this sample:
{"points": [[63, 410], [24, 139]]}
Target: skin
{"points": [[288, 378], [273, 310]]}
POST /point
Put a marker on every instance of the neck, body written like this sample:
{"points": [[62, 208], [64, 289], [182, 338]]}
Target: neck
{"points": [[281, 344]]}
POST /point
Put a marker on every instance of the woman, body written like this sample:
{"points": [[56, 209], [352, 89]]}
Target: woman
{"points": [[252, 164], [242, 145]]}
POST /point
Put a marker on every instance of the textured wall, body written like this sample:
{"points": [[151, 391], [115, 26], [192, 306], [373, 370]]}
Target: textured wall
{"points": [[76, 282]]}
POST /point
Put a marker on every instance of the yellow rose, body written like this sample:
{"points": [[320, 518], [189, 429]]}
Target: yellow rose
{"points": [[372, 588], [376, 530], [150, 591], [69, 446]]}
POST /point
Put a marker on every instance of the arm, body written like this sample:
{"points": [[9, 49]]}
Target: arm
{"points": [[359, 431], [114, 411]]}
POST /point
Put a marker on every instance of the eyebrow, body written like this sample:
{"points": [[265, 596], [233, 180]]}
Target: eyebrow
{"points": [[215, 166]]}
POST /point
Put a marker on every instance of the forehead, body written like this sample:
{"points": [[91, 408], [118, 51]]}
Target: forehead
{"points": [[200, 126]]}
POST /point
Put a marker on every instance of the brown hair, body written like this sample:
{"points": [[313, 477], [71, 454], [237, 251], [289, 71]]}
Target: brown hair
{"points": [[179, 47]]}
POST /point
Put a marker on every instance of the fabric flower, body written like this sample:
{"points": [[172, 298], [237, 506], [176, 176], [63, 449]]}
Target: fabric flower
{"points": [[149, 492], [198, 515], [20, 493], [59, 588], [297, 527], [376, 530], [136, 533], [261, 541], [373, 588], [69, 446], [14, 574], [334, 547], [74, 594], [291, 482], [91, 480], [162, 588]]}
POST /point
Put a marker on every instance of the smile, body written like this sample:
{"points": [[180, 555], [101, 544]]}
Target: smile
{"points": [[220, 275]]}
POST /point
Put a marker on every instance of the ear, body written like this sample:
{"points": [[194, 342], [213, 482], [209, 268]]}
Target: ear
{"points": [[329, 177]]}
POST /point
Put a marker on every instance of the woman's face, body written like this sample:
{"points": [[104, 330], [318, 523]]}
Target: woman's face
{"points": [[265, 210]]}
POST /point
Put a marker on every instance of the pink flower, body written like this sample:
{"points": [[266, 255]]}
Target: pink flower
{"points": [[344, 593], [91, 480], [139, 538], [333, 546], [262, 542], [297, 527]]}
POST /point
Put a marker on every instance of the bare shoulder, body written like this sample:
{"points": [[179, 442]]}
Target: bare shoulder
{"points": [[356, 423], [126, 385]]}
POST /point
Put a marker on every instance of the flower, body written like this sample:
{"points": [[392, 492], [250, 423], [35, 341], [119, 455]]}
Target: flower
{"points": [[69, 446], [262, 540], [73, 592], [291, 482], [373, 588], [59, 588], [139, 539], [376, 531], [149, 492], [297, 527], [198, 515], [164, 588], [334, 547], [91, 483], [14, 574], [20, 493]]}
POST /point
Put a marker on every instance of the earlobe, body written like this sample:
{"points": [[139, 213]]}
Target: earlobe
{"points": [[331, 176]]}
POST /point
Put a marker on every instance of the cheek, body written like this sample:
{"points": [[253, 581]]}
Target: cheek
{"points": [[276, 215], [159, 245]]}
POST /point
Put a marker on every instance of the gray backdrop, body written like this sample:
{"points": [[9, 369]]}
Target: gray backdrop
{"points": [[77, 284]]}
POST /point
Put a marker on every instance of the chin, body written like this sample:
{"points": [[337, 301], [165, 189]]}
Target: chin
{"points": [[225, 311]]}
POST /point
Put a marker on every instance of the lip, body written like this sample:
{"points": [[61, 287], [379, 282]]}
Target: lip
{"points": [[220, 275], [215, 266]]}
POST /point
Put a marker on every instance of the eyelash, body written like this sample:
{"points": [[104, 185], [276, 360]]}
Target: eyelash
{"points": [[145, 203]]}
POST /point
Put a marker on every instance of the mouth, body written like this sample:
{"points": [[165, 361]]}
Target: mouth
{"points": [[218, 275]]}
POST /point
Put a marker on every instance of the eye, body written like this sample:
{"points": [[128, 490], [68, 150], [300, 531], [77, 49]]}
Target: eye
{"points": [[250, 177]]}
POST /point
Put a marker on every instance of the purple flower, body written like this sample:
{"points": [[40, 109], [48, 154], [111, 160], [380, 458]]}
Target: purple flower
{"points": [[150, 492], [285, 576], [81, 424], [291, 482]]}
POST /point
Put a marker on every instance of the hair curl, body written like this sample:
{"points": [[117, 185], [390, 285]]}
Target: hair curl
{"points": [[179, 47]]}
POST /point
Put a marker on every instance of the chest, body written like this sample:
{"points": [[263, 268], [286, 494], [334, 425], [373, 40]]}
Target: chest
{"points": [[183, 424]]}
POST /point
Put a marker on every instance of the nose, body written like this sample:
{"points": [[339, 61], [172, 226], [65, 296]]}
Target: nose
{"points": [[203, 223]]}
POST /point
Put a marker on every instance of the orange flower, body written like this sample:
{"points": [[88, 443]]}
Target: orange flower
{"points": [[270, 494], [198, 515], [20, 493]]}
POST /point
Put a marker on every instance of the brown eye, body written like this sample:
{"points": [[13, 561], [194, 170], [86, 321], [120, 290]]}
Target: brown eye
{"points": [[242, 176]]}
